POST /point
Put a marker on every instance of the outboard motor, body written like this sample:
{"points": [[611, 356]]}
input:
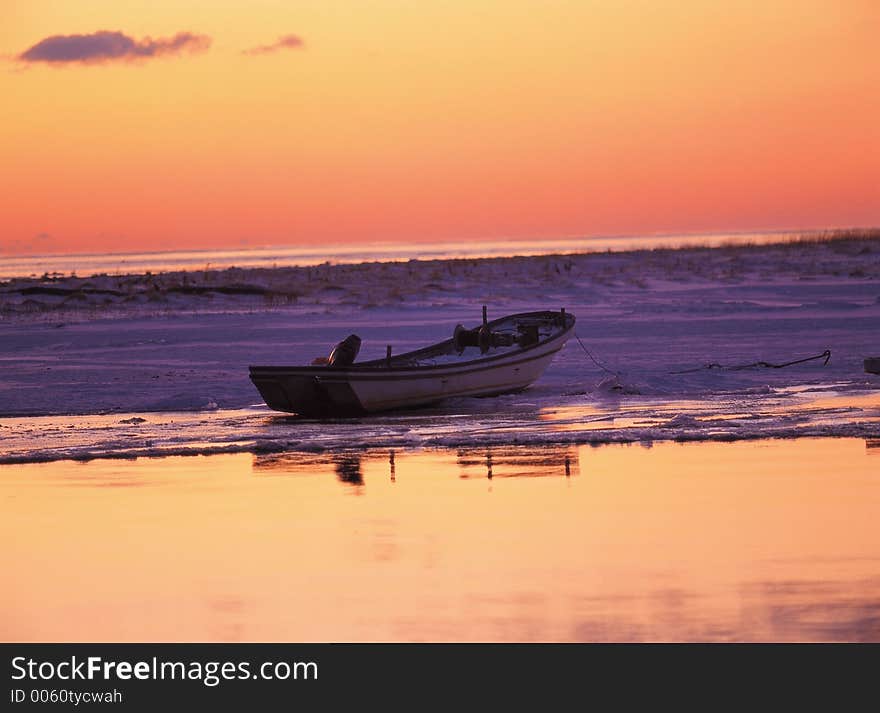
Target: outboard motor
{"points": [[345, 352]]}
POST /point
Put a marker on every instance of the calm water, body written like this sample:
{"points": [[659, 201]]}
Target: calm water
{"points": [[765, 540], [280, 256]]}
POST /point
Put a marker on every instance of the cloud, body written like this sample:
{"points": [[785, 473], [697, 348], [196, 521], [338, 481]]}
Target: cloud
{"points": [[287, 42], [105, 46]]}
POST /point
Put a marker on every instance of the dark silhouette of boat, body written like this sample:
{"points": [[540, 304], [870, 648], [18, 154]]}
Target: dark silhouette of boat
{"points": [[498, 357]]}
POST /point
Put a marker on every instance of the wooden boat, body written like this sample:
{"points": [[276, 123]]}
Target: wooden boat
{"points": [[498, 357]]}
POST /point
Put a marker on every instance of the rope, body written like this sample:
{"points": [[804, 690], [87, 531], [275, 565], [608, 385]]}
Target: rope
{"points": [[826, 355], [597, 363]]}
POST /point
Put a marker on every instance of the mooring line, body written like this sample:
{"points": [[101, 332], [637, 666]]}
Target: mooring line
{"points": [[826, 355], [594, 360]]}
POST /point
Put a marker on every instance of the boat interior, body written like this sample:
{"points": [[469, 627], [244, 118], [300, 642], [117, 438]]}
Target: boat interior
{"points": [[490, 339]]}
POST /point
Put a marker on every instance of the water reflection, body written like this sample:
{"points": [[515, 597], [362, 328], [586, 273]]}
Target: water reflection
{"points": [[759, 541], [348, 468], [518, 462], [493, 462], [813, 407], [815, 610]]}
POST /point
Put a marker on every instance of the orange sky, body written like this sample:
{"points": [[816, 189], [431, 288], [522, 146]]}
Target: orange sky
{"points": [[403, 121]]}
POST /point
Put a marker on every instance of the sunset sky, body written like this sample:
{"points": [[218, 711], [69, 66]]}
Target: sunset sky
{"points": [[151, 124]]}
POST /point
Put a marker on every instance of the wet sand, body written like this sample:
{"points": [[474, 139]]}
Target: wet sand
{"points": [[771, 540]]}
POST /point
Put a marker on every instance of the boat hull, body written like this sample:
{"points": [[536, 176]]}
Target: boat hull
{"points": [[372, 387]]}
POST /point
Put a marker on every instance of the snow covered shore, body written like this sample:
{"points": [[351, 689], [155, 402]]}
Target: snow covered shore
{"points": [[152, 364]]}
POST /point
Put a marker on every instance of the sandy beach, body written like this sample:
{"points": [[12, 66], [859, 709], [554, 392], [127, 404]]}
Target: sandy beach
{"points": [[660, 482], [669, 347]]}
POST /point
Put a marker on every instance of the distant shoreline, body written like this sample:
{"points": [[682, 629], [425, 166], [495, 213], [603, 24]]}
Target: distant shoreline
{"points": [[372, 284], [195, 261]]}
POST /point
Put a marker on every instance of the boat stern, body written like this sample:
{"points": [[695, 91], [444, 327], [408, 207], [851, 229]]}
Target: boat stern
{"points": [[305, 393]]}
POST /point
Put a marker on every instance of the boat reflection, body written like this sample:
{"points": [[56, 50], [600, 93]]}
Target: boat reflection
{"points": [[346, 465], [348, 468], [489, 462], [518, 462]]}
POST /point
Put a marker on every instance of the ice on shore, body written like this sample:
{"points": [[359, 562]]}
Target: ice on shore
{"points": [[83, 357]]}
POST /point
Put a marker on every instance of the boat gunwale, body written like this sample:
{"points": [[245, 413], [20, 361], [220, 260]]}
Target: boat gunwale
{"points": [[340, 376], [379, 367]]}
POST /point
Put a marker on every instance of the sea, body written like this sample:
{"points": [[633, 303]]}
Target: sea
{"points": [[117, 263]]}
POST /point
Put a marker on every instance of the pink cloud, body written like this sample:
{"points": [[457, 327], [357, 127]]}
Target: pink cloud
{"points": [[106, 46], [287, 42]]}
